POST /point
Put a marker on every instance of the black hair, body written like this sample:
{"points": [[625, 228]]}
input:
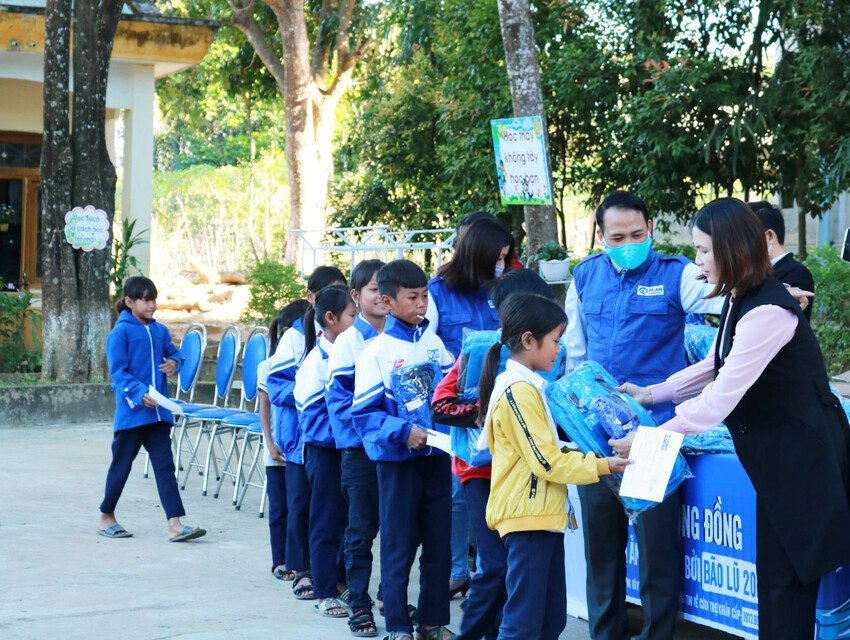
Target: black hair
{"points": [[136, 288], [400, 273], [284, 320], [469, 218], [324, 276], [519, 281], [474, 262], [620, 200], [519, 314], [363, 272], [771, 218], [334, 298]]}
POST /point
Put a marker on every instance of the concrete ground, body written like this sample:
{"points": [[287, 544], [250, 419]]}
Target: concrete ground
{"points": [[59, 579]]}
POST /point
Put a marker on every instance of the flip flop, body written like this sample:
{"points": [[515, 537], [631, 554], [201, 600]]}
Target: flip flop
{"points": [[188, 534], [115, 531]]}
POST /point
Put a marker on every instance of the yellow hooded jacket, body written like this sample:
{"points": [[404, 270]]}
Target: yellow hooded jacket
{"points": [[530, 472]]}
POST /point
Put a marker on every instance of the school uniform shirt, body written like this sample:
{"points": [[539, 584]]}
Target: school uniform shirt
{"points": [[530, 474], [134, 352], [274, 413], [339, 393], [280, 386], [309, 393], [374, 411]]}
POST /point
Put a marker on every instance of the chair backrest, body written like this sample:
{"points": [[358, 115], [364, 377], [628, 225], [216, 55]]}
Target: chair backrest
{"points": [[256, 350], [225, 366], [192, 349]]}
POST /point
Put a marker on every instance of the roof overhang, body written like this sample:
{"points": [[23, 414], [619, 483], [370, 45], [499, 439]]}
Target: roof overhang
{"points": [[169, 44]]}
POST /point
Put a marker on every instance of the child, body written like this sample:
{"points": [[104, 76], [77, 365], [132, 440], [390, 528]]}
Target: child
{"points": [[482, 612], [140, 354], [358, 476], [273, 455], [280, 385], [414, 480], [530, 473], [334, 311]]}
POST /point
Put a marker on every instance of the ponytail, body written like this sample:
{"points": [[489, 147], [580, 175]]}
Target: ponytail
{"points": [[334, 299], [519, 314], [284, 320], [488, 379]]}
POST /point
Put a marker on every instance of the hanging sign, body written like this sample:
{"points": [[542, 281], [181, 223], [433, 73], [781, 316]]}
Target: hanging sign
{"points": [[521, 165], [87, 228]]}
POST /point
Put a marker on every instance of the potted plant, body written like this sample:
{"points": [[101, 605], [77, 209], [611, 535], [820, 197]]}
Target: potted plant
{"points": [[7, 215], [553, 261]]}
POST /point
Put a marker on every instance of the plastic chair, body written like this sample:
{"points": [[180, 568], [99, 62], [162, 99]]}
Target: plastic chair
{"points": [[254, 442], [225, 369], [233, 421], [192, 349]]}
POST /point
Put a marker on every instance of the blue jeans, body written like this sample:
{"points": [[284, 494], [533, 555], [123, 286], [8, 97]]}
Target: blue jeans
{"points": [[360, 489], [460, 533]]}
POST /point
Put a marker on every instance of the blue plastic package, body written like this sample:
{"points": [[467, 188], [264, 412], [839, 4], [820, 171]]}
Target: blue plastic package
{"points": [[717, 440], [572, 400], [413, 387], [698, 341]]}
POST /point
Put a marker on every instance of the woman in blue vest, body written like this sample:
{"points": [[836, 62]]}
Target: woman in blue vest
{"points": [[767, 380], [460, 301]]}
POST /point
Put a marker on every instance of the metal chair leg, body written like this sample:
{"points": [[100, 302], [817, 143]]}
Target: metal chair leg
{"points": [[194, 455], [210, 458], [227, 469], [240, 488]]}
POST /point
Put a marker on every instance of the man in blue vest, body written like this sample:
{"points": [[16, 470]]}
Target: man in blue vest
{"points": [[626, 310]]}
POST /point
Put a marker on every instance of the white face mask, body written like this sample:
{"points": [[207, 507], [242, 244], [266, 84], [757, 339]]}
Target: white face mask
{"points": [[499, 271], [769, 247]]}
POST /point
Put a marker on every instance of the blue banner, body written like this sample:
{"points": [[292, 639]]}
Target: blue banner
{"points": [[718, 526]]}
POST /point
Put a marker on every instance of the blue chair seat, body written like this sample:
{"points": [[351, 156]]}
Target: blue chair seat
{"points": [[254, 427], [215, 413], [194, 408], [241, 420]]}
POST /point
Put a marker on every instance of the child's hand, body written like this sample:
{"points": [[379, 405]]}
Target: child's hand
{"points": [[149, 402], [418, 438], [618, 465], [168, 366], [623, 446], [275, 453]]}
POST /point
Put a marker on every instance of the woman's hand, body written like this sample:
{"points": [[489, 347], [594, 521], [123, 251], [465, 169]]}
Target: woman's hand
{"points": [[641, 394], [618, 465], [623, 446], [802, 296]]}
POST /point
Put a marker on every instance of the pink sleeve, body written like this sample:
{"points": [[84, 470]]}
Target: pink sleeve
{"points": [[759, 336], [686, 383]]}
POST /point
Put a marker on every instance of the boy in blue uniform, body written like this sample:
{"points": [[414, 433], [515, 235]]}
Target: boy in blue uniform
{"points": [[414, 479]]}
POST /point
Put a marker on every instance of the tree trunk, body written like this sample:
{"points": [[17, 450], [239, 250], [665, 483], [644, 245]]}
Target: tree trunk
{"points": [[76, 171], [527, 95], [802, 249]]}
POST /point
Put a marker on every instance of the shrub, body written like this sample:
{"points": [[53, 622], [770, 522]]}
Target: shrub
{"points": [[15, 310], [273, 285], [551, 251], [672, 249], [831, 311]]}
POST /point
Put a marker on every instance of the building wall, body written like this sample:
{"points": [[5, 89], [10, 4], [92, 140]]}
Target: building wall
{"points": [[21, 106]]}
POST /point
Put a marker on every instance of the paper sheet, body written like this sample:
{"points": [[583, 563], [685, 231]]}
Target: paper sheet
{"points": [[165, 403], [441, 441], [654, 452]]}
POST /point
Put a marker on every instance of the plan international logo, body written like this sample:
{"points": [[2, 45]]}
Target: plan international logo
{"points": [[653, 290]]}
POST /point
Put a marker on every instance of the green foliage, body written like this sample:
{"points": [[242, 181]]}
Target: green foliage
{"points": [[551, 250], [122, 261], [831, 312], [15, 314], [273, 285], [673, 249]]}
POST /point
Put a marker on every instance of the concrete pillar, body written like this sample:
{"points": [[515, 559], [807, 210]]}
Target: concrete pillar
{"points": [[138, 158]]}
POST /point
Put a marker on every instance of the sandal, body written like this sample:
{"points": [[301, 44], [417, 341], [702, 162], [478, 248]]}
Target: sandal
{"points": [[362, 624], [437, 633], [299, 589], [283, 574], [329, 604], [398, 635], [345, 596]]}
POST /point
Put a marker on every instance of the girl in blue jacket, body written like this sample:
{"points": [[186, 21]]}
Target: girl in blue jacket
{"points": [[140, 355]]}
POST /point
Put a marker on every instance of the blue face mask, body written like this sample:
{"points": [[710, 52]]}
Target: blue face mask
{"points": [[499, 271], [630, 256]]}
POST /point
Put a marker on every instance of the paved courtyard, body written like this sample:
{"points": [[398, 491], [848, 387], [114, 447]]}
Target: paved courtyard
{"points": [[59, 579]]}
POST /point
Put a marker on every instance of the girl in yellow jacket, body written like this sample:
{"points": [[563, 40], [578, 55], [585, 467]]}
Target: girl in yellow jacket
{"points": [[530, 473]]}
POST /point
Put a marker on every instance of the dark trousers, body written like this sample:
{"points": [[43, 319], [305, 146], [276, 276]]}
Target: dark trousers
{"points": [[298, 518], [416, 507], [605, 527], [276, 491], [537, 587], [482, 613], [156, 439], [327, 518], [360, 490], [786, 605]]}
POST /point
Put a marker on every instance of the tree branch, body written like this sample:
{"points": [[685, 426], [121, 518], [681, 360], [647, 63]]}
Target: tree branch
{"points": [[243, 19], [321, 61]]}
